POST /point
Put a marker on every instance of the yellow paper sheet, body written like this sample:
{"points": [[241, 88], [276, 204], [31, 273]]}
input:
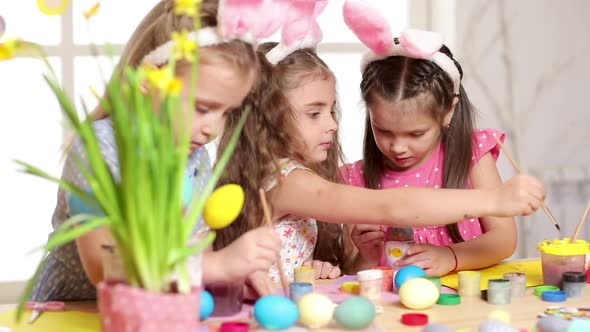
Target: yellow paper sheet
{"points": [[532, 268], [67, 321]]}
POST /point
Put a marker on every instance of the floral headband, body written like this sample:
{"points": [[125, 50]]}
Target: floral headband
{"points": [[373, 30], [247, 20]]}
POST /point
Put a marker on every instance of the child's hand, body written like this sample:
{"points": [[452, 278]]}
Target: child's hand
{"points": [[324, 270], [255, 250], [520, 196], [259, 284], [435, 260], [369, 239]]}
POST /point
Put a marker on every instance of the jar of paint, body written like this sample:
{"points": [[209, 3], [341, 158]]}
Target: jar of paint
{"points": [[227, 297], [469, 283], [559, 256], [304, 274], [517, 282], [387, 278], [499, 291], [371, 284], [574, 284], [298, 289]]}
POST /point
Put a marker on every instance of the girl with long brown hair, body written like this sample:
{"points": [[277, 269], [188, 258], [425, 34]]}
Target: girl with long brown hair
{"points": [[420, 132], [289, 147]]}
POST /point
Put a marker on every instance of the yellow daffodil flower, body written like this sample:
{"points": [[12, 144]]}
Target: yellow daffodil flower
{"points": [[53, 7], [184, 48], [186, 7], [163, 80]]}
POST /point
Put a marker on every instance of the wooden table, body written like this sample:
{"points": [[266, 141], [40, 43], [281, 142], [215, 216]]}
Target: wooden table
{"points": [[468, 314]]}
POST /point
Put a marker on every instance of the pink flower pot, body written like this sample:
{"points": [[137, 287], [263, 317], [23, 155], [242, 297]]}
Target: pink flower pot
{"points": [[128, 309]]}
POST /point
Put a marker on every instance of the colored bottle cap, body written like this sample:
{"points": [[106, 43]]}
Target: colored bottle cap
{"points": [[414, 319], [554, 296], [564, 247], [540, 289], [574, 276], [449, 299], [234, 327], [352, 287]]}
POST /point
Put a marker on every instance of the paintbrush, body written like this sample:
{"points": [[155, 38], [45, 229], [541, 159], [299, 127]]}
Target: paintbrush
{"points": [[519, 170]]}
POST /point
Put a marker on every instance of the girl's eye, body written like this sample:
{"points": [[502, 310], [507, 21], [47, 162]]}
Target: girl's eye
{"points": [[201, 110], [314, 114], [418, 134]]}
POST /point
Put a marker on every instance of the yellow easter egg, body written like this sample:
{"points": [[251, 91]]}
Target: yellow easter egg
{"points": [[418, 293], [53, 7], [223, 206], [315, 310]]}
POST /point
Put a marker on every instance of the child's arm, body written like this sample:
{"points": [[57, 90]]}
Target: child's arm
{"points": [[304, 193], [499, 239], [255, 250], [497, 243], [90, 249]]}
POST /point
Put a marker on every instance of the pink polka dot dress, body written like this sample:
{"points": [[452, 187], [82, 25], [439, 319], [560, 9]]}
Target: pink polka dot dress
{"points": [[430, 175]]}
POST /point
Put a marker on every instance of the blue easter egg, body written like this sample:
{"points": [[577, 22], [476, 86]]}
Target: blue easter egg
{"points": [[355, 313], [207, 304], [406, 273], [274, 312]]}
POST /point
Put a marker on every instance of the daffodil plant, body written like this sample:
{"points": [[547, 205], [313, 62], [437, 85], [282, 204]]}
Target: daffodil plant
{"points": [[143, 209]]}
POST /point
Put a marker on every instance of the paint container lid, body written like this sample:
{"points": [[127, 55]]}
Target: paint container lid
{"points": [[414, 319], [301, 285], [234, 327], [369, 275], [563, 247], [449, 299], [539, 290], [352, 287], [554, 296], [515, 276], [574, 276], [499, 283]]}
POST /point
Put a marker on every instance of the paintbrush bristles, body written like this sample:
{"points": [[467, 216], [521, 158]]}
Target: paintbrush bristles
{"points": [[580, 223]]}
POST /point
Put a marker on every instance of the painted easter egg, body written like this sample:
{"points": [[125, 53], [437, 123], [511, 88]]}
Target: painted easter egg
{"points": [[207, 304], [223, 206], [355, 313], [275, 312], [418, 293], [406, 273], [53, 7], [315, 310]]}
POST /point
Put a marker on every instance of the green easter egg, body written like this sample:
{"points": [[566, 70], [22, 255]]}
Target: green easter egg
{"points": [[355, 313]]}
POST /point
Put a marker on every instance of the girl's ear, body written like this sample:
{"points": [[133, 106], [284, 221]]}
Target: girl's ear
{"points": [[449, 116]]}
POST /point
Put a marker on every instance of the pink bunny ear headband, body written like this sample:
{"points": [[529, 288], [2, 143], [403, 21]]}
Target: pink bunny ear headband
{"points": [[374, 31], [301, 29], [247, 20]]}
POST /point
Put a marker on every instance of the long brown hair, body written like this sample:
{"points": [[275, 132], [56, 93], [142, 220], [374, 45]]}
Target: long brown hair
{"points": [[270, 134], [399, 78]]}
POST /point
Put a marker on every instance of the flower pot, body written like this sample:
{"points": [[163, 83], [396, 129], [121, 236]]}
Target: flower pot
{"points": [[128, 309]]}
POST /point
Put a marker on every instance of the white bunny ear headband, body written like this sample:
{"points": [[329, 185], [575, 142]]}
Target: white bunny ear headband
{"points": [[247, 20], [300, 30], [374, 31]]}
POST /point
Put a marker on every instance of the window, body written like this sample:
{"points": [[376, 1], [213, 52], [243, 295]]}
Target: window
{"points": [[32, 128]]}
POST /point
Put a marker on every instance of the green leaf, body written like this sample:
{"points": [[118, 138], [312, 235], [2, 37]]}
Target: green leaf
{"points": [[29, 287]]}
